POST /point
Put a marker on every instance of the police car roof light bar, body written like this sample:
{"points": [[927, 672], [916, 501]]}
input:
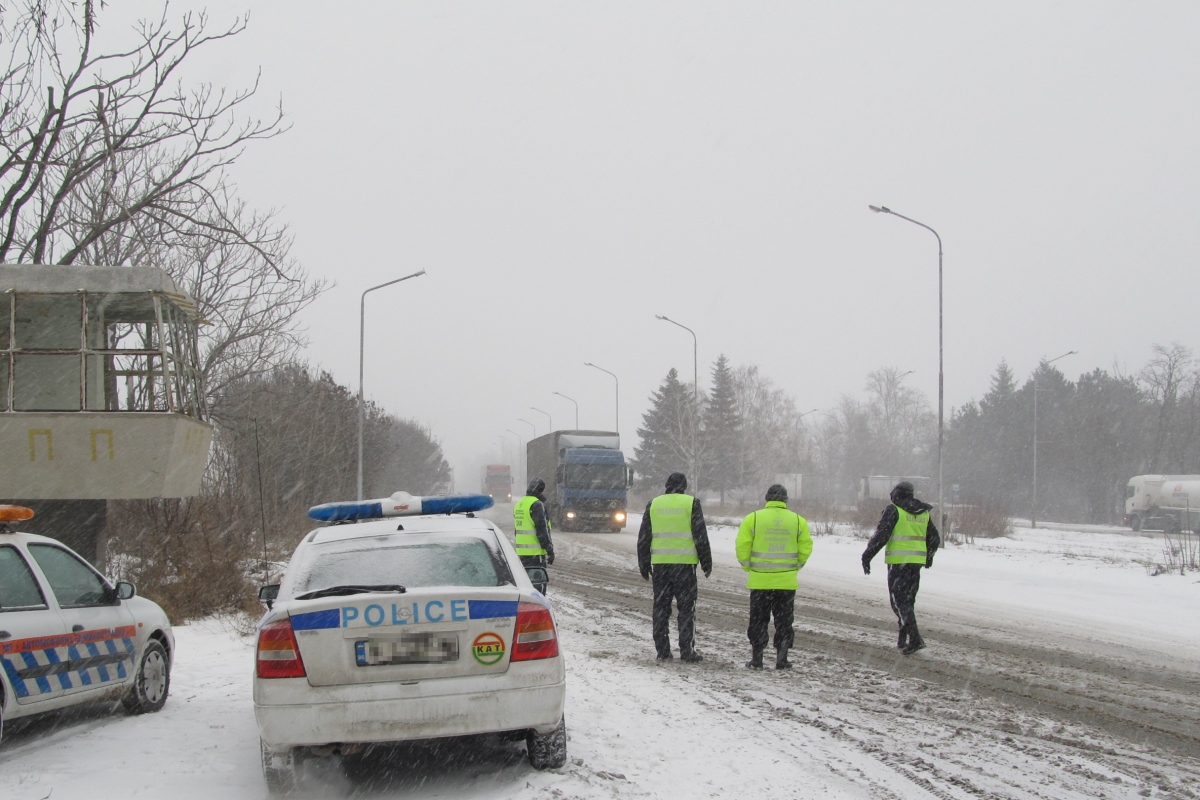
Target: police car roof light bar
{"points": [[400, 504], [13, 514]]}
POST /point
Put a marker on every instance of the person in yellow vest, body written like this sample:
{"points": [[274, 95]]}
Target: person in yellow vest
{"points": [[672, 541], [911, 539], [532, 526], [772, 545]]}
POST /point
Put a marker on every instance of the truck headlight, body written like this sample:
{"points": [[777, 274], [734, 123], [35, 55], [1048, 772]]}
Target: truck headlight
{"points": [[619, 516], [570, 515]]}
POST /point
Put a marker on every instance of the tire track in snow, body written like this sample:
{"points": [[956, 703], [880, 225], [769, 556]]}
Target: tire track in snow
{"points": [[1139, 715]]}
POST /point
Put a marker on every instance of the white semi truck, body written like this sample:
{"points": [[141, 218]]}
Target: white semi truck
{"points": [[1163, 502]]}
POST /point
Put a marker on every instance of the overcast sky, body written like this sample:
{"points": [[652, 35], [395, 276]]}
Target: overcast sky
{"points": [[565, 171]]}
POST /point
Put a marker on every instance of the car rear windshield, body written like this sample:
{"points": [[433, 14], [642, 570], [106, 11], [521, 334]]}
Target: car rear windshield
{"points": [[410, 560]]}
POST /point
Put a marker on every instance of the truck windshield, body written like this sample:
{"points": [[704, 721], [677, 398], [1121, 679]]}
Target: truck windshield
{"points": [[595, 476]]}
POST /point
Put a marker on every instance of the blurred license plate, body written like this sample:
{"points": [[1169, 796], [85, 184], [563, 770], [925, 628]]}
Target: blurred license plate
{"points": [[410, 648]]}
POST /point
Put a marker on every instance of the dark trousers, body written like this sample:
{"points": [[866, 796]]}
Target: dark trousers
{"points": [[903, 582], [767, 603], [674, 582], [536, 561]]}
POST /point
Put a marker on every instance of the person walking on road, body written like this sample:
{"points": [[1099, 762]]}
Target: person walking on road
{"points": [[672, 541], [532, 527], [772, 545], [911, 539]]}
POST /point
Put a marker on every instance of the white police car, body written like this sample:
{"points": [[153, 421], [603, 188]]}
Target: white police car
{"points": [[69, 636], [405, 628]]}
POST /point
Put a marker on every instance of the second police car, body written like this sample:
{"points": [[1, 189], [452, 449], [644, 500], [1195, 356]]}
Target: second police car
{"points": [[68, 635], [403, 628]]}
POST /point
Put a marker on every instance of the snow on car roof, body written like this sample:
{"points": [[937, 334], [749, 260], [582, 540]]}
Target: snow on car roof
{"points": [[438, 524]]}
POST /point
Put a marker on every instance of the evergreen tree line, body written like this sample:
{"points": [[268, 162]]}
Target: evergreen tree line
{"points": [[741, 433], [1093, 435]]}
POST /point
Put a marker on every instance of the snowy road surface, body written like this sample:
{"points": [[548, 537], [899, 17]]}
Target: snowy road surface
{"points": [[1056, 669]]}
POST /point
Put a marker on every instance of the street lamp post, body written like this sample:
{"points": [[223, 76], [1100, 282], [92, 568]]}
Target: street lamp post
{"points": [[695, 361], [532, 427], [560, 394], [549, 419], [362, 327], [617, 405], [695, 392], [941, 372], [520, 454], [1044, 363]]}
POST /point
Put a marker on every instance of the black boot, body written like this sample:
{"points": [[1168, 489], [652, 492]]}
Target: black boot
{"points": [[902, 642], [691, 657], [915, 642], [755, 661], [781, 661]]}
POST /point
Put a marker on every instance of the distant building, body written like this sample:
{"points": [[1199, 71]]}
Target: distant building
{"points": [[99, 395]]}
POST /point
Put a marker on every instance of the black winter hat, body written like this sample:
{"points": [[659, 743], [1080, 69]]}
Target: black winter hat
{"points": [[903, 491], [536, 486], [777, 492], [676, 482]]}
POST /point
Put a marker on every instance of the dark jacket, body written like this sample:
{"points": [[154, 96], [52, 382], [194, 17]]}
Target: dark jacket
{"points": [[699, 536], [887, 523], [537, 513]]}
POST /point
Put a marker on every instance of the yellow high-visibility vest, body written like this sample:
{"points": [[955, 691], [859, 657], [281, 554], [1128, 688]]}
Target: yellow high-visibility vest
{"points": [[907, 543], [671, 530]]}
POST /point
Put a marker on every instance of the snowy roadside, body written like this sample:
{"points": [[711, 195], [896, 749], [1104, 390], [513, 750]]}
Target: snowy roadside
{"points": [[1089, 586], [637, 730], [831, 728]]}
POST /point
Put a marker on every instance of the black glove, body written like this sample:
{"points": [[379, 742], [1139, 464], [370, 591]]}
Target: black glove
{"points": [[647, 572], [708, 572], [866, 562], [550, 559], [929, 561]]}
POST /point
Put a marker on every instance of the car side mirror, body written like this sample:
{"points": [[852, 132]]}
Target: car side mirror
{"points": [[267, 595], [629, 479], [537, 575], [125, 590]]}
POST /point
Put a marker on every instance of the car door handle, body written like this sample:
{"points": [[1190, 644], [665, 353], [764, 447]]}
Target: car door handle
{"points": [[76, 629]]}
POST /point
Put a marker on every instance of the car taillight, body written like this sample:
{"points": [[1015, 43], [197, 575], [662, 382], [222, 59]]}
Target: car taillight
{"points": [[536, 637], [278, 651]]}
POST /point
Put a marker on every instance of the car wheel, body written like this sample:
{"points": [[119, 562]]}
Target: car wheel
{"points": [[549, 750], [152, 681], [281, 770]]}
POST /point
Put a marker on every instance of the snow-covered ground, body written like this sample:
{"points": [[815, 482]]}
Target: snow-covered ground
{"points": [[829, 728], [1086, 585]]}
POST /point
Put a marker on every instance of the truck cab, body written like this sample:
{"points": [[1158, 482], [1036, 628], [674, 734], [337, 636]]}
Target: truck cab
{"points": [[592, 487], [587, 478]]}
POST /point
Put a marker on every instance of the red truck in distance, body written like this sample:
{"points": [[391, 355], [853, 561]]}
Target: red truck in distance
{"points": [[497, 482]]}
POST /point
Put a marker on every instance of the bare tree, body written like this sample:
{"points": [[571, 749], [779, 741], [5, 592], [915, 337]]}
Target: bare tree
{"points": [[901, 422], [93, 142], [1170, 374], [773, 432]]}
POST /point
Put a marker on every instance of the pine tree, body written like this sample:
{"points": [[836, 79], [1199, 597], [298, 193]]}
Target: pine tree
{"points": [[723, 431], [668, 436]]}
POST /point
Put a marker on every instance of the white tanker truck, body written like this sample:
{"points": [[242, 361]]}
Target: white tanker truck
{"points": [[1163, 502]]}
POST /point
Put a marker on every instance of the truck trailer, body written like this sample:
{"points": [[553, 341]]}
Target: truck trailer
{"points": [[586, 477], [879, 487], [1163, 503]]}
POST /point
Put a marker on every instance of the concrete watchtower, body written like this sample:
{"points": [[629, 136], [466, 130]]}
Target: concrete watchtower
{"points": [[99, 395]]}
